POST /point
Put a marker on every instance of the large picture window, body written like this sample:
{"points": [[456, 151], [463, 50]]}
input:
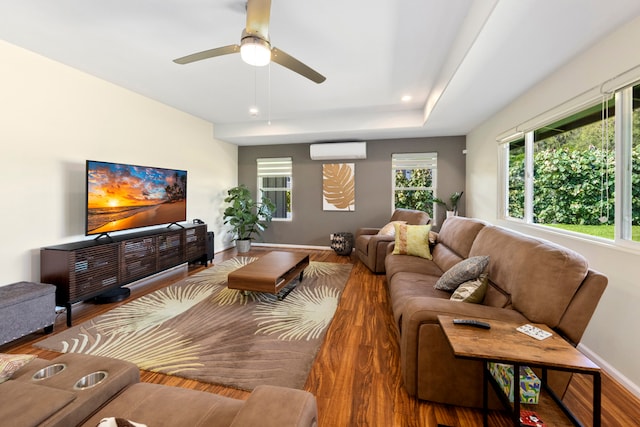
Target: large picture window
{"points": [[635, 166], [580, 173], [414, 180], [274, 182], [574, 172]]}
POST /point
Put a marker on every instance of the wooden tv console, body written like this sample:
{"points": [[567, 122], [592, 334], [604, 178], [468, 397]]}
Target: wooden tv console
{"points": [[86, 269]]}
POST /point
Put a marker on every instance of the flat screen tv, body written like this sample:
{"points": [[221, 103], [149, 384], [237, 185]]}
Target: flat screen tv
{"points": [[122, 197]]}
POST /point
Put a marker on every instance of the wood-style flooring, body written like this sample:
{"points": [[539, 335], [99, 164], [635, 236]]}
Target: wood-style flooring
{"points": [[356, 376]]}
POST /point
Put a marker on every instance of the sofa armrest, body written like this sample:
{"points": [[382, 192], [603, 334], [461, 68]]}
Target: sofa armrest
{"points": [[366, 231], [421, 310], [390, 247], [272, 406], [383, 238], [427, 361]]}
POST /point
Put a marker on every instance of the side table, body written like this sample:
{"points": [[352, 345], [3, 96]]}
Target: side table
{"points": [[504, 344]]}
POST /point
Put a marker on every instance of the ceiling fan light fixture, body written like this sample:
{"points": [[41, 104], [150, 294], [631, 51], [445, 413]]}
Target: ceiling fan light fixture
{"points": [[255, 51]]}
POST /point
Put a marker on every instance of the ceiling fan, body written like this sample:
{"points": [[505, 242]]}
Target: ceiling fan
{"points": [[255, 47]]}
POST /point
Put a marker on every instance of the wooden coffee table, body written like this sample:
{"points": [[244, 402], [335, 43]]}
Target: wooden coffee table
{"points": [[503, 344], [270, 273]]}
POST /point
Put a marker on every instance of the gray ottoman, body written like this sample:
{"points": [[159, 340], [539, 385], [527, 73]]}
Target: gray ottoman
{"points": [[26, 307]]}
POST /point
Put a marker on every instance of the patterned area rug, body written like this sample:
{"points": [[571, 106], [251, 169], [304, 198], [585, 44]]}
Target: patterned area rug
{"points": [[200, 329]]}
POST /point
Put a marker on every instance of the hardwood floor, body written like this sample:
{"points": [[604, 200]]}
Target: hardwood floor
{"points": [[356, 377]]}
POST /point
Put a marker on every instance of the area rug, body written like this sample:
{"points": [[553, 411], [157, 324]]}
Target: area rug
{"points": [[199, 329]]}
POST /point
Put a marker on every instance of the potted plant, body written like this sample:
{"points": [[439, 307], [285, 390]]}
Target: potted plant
{"points": [[454, 199], [246, 216]]}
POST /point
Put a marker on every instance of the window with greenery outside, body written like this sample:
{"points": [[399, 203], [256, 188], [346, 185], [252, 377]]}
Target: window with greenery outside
{"points": [[414, 190], [515, 208], [414, 180], [635, 166], [274, 182], [574, 170]]}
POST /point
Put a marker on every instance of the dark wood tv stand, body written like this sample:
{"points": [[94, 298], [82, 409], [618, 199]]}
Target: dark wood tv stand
{"points": [[86, 269]]}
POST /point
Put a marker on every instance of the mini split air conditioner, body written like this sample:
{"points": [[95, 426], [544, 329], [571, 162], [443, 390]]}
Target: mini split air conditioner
{"points": [[338, 150]]}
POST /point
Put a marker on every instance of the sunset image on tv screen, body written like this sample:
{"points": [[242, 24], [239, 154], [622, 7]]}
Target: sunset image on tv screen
{"points": [[121, 197]]}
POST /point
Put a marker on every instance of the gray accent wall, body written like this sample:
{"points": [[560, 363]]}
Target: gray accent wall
{"points": [[311, 225]]}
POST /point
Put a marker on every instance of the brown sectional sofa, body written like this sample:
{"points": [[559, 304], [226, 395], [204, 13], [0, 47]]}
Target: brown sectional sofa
{"points": [[54, 401], [530, 281]]}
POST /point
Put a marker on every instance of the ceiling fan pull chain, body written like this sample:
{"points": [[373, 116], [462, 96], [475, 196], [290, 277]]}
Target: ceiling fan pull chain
{"points": [[269, 97]]}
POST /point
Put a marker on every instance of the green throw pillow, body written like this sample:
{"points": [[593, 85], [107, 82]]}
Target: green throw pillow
{"points": [[412, 240], [465, 270], [471, 291]]}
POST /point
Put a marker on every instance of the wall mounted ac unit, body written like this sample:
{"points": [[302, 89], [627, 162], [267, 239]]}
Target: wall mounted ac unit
{"points": [[338, 150]]}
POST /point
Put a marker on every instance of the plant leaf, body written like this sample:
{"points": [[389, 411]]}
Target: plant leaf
{"points": [[338, 185]]}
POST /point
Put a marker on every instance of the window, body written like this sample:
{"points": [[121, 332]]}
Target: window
{"points": [[635, 165], [274, 182], [574, 165], [515, 190], [581, 172], [414, 180]]}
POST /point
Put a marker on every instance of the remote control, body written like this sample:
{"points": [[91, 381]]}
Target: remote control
{"points": [[533, 331], [472, 322]]}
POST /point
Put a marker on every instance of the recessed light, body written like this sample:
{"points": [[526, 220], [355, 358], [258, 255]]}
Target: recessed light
{"points": [[406, 98]]}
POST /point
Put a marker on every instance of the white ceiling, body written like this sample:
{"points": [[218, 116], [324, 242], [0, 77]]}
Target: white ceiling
{"points": [[461, 60]]}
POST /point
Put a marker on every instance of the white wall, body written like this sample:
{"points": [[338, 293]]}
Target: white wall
{"points": [[612, 336], [52, 119]]}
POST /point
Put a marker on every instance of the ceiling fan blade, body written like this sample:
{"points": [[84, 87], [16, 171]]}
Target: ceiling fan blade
{"points": [[294, 65], [205, 54], [258, 14]]}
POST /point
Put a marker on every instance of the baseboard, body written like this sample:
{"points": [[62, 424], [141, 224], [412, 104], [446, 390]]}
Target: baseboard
{"points": [[613, 372], [283, 245]]}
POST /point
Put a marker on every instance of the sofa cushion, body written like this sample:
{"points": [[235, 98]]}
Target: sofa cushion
{"points": [[406, 286], [412, 240], [468, 269], [301, 408], [444, 257], [458, 233], [410, 264], [9, 363], [28, 404], [541, 277], [496, 297], [155, 404], [472, 291]]}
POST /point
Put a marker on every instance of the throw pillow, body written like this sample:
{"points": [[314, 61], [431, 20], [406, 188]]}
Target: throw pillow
{"points": [[118, 422], [433, 238], [412, 240], [9, 363], [471, 291], [389, 229], [463, 271]]}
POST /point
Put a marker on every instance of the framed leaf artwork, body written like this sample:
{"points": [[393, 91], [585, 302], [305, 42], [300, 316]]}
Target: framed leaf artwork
{"points": [[338, 187]]}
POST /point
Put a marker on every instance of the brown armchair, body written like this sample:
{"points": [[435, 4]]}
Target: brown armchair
{"points": [[371, 247]]}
